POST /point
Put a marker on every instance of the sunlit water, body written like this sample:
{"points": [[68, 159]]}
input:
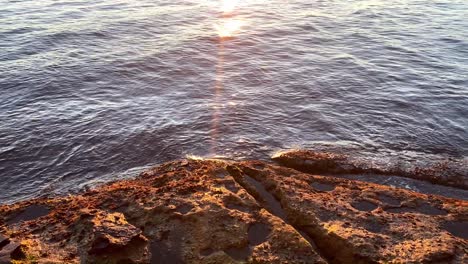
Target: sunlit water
{"points": [[93, 91]]}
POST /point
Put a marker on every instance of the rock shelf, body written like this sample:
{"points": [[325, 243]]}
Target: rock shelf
{"points": [[213, 211]]}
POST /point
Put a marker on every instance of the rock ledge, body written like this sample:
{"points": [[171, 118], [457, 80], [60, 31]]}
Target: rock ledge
{"points": [[211, 211]]}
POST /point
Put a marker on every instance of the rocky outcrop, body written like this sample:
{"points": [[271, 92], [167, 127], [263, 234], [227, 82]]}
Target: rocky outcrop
{"points": [[447, 173], [357, 222], [209, 211]]}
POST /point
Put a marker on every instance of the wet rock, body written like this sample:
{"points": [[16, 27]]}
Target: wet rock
{"points": [[443, 173], [3, 241], [11, 251]]}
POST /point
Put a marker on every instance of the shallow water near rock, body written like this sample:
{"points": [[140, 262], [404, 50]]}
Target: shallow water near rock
{"points": [[323, 186], [364, 206], [30, 213], [420, 209], [94, 91], [459, 229], [410, 184], [185, 208], [258, 233]]}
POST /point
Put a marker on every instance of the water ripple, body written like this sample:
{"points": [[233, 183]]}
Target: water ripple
{"points": [[97, 90]]}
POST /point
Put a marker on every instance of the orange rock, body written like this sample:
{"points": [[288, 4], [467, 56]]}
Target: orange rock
{"points": [[230, 212]]}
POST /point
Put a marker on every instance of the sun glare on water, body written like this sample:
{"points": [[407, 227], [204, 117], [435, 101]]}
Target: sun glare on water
{"points": [[228, 6], [229, 27]]}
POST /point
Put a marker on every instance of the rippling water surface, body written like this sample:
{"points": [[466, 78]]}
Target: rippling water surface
{"points": [[95, 90]]}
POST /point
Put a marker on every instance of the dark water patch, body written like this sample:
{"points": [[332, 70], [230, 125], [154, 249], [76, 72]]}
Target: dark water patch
{"points": [[428, 209], [23, 30], [30, 213], [309, 28], [457, 228], [364, 206], [258, 233], [451, 40], [424, 208], [374, 226], [323, 187], [66, 4], [185, 208]]}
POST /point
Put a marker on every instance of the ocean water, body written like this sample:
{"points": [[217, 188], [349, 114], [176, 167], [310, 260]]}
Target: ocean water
{"points": [[92, 91]]}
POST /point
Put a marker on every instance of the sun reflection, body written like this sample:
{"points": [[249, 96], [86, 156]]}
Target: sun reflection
{"points": [[229, 27], [218, 89], [227, 6]]}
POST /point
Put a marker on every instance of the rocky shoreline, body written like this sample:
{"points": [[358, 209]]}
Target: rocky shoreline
{"points": [[214, 211]]}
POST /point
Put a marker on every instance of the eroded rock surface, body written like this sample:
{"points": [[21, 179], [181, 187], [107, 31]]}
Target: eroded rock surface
{"points": [[233, 212], [358, 222], [180, 212]]}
